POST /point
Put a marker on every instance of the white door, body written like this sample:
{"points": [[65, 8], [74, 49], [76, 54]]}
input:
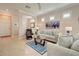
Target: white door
{"points": [[5, 25]]}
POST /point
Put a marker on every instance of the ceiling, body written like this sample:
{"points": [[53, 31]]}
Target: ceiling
{"points": [[33, 9]]}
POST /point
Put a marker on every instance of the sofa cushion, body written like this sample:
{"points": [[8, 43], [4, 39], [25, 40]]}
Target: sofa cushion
{"points": [[76, 37], [75, 45], [56, 50], [65, 41]]}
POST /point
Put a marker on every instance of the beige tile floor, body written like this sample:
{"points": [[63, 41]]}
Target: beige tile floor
{"points": [[14, 46]]}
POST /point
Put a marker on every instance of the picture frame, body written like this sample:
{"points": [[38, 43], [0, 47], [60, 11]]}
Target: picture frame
{"points": [[53, 24], [32, 25]]}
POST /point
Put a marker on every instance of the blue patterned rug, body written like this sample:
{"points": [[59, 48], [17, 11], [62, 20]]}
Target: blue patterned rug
{"points": [[39, 48]]}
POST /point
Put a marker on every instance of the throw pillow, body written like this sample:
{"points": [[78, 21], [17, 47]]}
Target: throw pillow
{"points": [[76, 37], [75, 45]]}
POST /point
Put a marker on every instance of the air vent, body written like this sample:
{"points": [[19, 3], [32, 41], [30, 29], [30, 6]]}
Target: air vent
{"points": [[27, 6]]}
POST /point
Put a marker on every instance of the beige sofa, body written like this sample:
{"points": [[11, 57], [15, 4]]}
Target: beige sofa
{"points": [[56, 50]]}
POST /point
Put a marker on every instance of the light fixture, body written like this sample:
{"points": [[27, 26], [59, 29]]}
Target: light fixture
{"points": [[52, 18], [68, 28], [42, 19], [32, 20], [6, 9], [66, 15], [32, 25], [37, 27]]}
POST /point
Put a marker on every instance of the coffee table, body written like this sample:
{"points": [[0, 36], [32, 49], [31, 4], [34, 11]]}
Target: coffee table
{"points": [[40, 41]]}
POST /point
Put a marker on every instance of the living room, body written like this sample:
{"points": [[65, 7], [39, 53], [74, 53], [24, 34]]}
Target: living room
{"points": [[46, 29]]}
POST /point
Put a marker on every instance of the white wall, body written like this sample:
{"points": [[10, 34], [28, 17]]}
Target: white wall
{"points": [[5, 25], [23, 24], [19, 22], [72, 21], [14, 19], [15, 25]]}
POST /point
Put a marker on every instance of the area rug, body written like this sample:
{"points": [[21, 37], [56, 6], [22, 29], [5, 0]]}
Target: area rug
{"points": [[39, 48]]}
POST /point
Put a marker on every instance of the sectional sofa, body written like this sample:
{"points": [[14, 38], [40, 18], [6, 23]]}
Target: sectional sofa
{"points": [[68, 46], [50, 35]]}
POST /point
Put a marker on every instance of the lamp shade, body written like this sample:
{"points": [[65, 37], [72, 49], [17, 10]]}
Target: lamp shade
{"points": [[68, 28]]}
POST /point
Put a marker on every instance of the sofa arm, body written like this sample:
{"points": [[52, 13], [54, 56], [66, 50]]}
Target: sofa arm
{"points": [[56, 50]]}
